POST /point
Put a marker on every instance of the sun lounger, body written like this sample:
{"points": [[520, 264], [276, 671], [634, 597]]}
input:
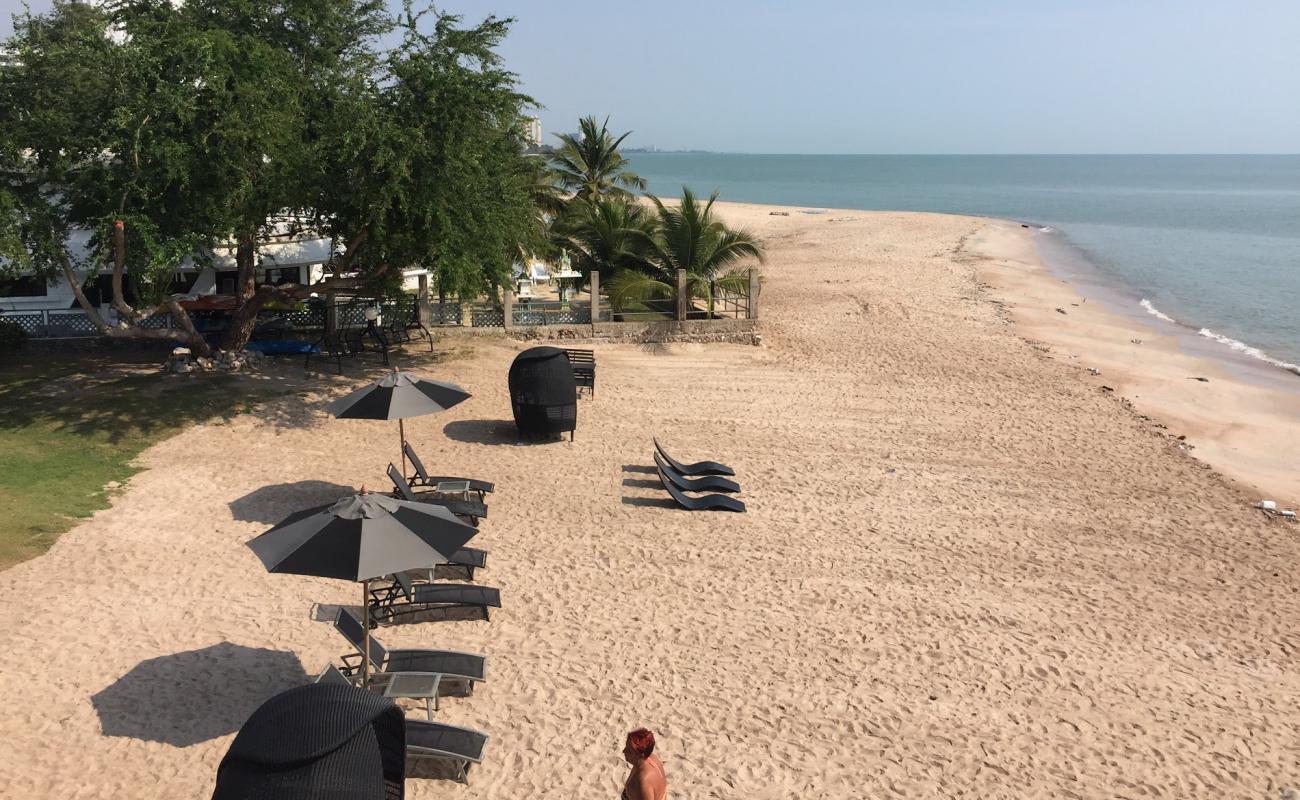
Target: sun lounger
{"points": [[472, 509], [465, 669], [426, 686], [463, 747], [709, 502], [584, 368], [699, 468], [423, 478], [404, 597], [463, 562], [708, 483]]}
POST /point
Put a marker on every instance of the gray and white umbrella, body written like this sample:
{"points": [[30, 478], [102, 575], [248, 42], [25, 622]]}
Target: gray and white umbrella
{"points": [[359, 538], [398, 395]]}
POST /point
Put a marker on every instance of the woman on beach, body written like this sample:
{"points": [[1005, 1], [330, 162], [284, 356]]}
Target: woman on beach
{"points": [[647, 780]]}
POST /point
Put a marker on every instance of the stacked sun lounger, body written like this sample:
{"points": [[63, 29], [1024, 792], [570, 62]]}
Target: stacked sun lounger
{"points": [[417, 595], [695, 487]]}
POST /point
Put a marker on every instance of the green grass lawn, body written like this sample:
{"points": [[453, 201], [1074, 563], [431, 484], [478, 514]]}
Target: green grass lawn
{"points": [[70, 427]]}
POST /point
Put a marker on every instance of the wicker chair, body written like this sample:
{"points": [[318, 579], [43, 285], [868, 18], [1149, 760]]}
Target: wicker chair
{"points": [[543, 393]]}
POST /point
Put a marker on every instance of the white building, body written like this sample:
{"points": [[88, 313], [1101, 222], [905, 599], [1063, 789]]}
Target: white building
{"points": [[535, 131]]}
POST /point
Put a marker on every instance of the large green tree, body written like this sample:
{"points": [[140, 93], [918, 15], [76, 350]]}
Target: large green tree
{"points": [[430, 169], [169, 129], [202, 128]]}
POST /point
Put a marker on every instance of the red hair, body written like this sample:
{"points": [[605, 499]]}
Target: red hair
{"points": [[642, 742]]}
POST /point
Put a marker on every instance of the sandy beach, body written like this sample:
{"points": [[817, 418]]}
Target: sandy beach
{"points": [[966, 570]]}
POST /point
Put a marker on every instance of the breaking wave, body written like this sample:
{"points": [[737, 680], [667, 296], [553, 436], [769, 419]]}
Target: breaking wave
{"points": [[1152, 310], [1231, 343], [1245, 349]]}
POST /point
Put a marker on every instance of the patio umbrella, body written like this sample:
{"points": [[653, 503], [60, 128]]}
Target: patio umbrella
{"points": [[398, 395], [361, 537]]}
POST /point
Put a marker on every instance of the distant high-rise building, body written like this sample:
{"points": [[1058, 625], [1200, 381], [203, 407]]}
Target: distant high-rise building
{"points": [[535, 131]]}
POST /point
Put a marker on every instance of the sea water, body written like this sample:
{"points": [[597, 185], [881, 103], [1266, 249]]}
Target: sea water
{"points": [[1207, 245]]}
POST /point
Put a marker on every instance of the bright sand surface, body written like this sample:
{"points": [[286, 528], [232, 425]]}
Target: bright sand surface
{"points": [[965, 570]]}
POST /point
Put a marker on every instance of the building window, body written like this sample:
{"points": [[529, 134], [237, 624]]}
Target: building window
{"points": [[24, 286], [281, 276]]}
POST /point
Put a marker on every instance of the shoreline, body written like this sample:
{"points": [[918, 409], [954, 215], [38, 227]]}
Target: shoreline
{"points": [[1065, 259], [1244, 421]]}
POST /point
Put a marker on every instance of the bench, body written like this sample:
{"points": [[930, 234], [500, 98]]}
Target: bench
{"points": [[584, 368]]}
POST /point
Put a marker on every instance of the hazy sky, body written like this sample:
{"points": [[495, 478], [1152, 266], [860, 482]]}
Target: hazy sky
{"points": [[931, 76]]}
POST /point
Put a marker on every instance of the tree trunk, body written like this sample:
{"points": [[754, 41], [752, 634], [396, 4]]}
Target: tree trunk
{"points": [[187, 336], [244, 318], [119, 267]]}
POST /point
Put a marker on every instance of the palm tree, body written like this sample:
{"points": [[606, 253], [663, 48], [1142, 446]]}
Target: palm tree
{"points": [[589, 163], [689, 238], [605, 233]]}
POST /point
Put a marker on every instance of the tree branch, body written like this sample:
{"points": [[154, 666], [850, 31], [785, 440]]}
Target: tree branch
{"points": [[70, 275], [351, 251], [119, 267]]}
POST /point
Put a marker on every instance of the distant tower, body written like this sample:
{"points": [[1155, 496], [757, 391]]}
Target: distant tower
{"points": [[535, 131]]}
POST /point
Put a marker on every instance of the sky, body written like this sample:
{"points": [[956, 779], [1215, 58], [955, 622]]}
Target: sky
{"points": [[929, 76]]}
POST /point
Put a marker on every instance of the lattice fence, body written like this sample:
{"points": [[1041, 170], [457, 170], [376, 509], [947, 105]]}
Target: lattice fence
{"points": [[487, 318], [444, 313]]}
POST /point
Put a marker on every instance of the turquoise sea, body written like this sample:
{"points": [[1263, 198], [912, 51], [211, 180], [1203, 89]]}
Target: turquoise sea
{"points": [[1207, 244]]}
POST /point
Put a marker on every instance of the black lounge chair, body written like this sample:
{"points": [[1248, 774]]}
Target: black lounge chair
{"points": [[584, 368], [423, 478], [465, 669], [463, 747], [709, 502], [473, 510], [404, 597], [426, 686], [708, 483], [463, 563], [699, 468]]}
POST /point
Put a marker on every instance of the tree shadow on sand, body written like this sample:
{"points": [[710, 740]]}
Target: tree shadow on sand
{"points": [[494, 432], [186, 698], [270, 504]]}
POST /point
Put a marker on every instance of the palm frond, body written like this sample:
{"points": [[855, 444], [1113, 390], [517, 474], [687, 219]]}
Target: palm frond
{"points": [[628, 287]]}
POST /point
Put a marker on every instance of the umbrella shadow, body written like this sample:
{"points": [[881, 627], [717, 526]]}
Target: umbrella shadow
{"points": [[270, 504], [494, 432], [190, 697]]}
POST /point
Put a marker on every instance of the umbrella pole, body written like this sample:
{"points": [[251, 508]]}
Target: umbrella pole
{"points": [[365, 647], [401, 434]]}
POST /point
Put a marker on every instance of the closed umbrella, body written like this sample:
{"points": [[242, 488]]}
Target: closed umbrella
{"points": [[398, 395], [359, 538]]}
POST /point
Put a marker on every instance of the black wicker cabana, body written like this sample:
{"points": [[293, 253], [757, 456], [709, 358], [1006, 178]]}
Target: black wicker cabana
{"points": [[315, 741], [543, 392]]}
